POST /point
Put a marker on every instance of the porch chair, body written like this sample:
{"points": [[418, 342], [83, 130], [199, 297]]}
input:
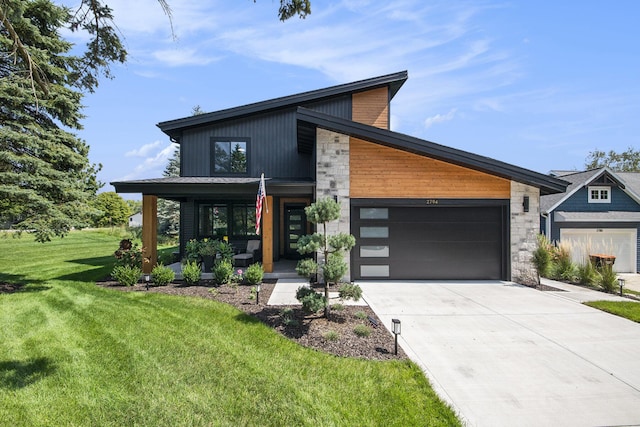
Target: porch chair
{"points": [[249, 256]]}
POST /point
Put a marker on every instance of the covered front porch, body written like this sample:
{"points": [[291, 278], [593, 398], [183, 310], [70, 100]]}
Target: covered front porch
{"points": [[224, 209]]}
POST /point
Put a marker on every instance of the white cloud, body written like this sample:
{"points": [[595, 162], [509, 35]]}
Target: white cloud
{"points": [[182, 57], [145, 150], [153, 165], [439, 118]]}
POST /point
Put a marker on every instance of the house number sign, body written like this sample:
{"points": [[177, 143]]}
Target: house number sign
{"points": [[432, 201]]}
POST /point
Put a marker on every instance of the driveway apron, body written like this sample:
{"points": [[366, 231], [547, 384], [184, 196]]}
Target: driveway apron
{"points": [[504, 355]]}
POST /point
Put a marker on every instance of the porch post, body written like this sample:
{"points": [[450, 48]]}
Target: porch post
{"points": [[150, 231], [267, 236]]}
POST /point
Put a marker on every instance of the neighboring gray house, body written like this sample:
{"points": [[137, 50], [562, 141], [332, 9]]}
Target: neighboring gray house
{"points": [[599, 213], [135, 220]]}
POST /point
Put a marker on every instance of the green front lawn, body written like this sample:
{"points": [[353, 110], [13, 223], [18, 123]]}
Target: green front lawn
{"points": [[627, 309], [72, 353]]}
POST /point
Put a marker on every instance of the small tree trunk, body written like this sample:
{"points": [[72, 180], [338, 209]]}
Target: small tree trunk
{"points": [[327, 308]]}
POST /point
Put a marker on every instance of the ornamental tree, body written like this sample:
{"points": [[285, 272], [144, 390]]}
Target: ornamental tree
{"points": [[332, 248]]}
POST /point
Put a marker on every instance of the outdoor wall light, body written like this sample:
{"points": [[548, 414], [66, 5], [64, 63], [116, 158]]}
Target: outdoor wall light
{"points": [[395, 328], [258, 294], [147, 279], [621, 284], [525, 203]]}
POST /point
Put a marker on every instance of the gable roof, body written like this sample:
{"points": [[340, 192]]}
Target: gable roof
{"points": [[174, 128], [547, 184], [627, 181]]}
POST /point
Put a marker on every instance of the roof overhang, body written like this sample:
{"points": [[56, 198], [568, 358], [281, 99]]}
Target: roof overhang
{"points": [[610, 216], [546, 183], [181, 188]]}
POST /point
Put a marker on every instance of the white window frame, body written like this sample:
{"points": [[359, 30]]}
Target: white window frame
{"points": [[600, 192]]}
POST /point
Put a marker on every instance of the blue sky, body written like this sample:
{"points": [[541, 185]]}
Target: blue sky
{"points": [[538, 84]]}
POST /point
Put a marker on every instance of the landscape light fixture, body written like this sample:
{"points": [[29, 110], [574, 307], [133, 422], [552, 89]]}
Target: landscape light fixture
{"points": [[395, 328], [621, 284], [147, 279], [258, 294]]}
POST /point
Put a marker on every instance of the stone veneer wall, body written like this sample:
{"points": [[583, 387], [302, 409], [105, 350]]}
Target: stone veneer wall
{"points": [[525, 226], [332, 177]]}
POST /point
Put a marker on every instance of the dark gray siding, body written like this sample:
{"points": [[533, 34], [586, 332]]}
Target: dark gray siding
{"points": [[187, 223], [273, 148]]}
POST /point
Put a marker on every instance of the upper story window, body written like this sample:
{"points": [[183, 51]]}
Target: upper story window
{"points": [[599, 194], [229, 156]]}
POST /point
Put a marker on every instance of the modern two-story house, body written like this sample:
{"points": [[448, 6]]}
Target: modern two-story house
{"points": [[599, 213], [418, 210]]}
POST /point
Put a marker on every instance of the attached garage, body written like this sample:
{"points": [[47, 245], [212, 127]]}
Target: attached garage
{"points": [[444, 240], [620, 242]]}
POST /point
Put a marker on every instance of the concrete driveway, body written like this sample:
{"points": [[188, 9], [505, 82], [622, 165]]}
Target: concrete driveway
{"points": [[507, 355]]}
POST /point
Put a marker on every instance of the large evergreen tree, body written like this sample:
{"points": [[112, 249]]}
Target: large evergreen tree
{"points": [[169, 210], [46, 179]]}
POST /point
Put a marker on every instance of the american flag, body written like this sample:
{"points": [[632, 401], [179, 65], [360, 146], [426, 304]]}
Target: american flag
{"points": [[262, 195]]}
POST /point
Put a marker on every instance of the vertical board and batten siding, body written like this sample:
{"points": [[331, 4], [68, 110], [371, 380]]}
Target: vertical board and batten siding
{"points": [[273, 149], [372, 107], [383, 172]]}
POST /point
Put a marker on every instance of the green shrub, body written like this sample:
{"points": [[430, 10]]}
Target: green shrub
{"points": [[191, 272], [587, 274], [162, 275], [128, 254], [192, 250], [337, 307], [563, 267], [307, 267], [311, 301], [334, 268], [225, 250], [222, 272], [541, 257], [287, 317], [362, 331], [254, 274], [360, 315], [350, 291], [126, 275], [608, 279], [331, 336]]}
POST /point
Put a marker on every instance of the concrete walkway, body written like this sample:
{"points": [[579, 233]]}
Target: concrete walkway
{"points": [[507, 355], [284, 293]]}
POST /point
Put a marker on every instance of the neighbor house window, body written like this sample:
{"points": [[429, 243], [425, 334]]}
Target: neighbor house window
{"points": [[235, 220], [229, 156], [599, 195]]}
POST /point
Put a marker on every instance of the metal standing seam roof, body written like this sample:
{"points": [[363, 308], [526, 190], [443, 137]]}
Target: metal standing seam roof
{"points": [[174, 128], [546, 183]]}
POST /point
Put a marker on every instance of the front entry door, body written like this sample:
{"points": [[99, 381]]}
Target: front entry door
{"points": [[295, 225]]}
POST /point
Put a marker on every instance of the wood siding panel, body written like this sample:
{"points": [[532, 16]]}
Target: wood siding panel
{"points": [[372, 107], [383, 172]]}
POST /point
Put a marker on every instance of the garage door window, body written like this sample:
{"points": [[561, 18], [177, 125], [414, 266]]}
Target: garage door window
{"points": [[374, 213], [374, 251], [374, 271], [374, 232]]}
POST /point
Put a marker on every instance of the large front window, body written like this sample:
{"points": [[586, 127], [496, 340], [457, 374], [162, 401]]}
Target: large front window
{"points": [[234, 220], [229, 156]]}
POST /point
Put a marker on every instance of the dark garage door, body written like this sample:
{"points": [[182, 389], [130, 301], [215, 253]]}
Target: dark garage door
{"points": [[435, 242]]}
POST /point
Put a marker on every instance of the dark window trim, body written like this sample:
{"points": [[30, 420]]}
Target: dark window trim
{"points": [[212, 149], [250, 204]]}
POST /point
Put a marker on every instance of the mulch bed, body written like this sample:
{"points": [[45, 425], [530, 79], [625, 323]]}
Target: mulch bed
{"points": [[307, 330]]}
